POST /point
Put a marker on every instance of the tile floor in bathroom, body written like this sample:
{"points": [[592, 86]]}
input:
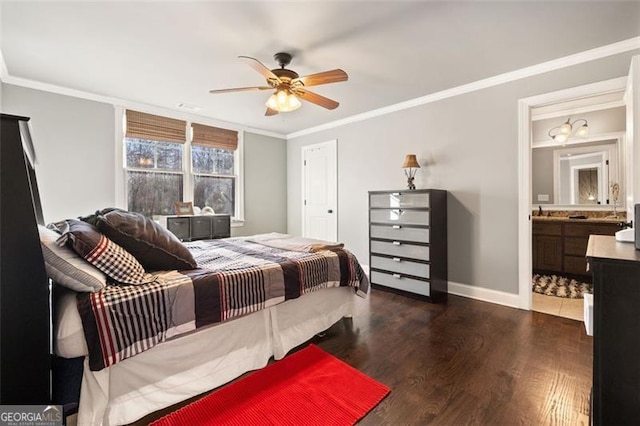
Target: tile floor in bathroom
{"points": [[558, 306]]}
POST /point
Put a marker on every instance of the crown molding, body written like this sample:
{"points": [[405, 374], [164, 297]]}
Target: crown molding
{"points": [[544, 67], [127, 104], [541, 68]]}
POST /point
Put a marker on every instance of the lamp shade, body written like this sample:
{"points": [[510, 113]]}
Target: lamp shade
{"points": [[410, 161]]}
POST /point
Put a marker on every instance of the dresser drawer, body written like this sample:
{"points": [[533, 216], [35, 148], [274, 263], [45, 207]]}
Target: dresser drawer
{"points": [[200, 227], [399, 282], [221, 226], [400, 216], [546, 228], [400, 249], [179, 226], [400, 233], [400, 199], [586, 229], [400, 265]]}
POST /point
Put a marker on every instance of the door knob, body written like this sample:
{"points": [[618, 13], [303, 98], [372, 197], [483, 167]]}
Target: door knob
{"points": [[329, 211]]}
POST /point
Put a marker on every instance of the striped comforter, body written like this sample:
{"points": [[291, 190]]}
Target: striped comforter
{"points": [[235, 277]]}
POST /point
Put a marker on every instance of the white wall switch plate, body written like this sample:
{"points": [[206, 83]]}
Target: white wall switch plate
{"points": [[543, 197]]}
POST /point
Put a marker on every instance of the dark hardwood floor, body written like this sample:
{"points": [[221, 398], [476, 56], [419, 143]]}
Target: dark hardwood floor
{"points": [[464, 362]]}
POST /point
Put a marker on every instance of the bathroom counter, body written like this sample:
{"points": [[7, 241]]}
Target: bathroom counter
{"points": [[566, 219]]}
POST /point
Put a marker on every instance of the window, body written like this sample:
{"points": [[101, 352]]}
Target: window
{"points": [[213, 164], [214, 179], [157, 175], [154, 176]]}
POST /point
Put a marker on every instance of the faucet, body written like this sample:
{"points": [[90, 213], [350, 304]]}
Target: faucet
{"points": [[539, 210]]}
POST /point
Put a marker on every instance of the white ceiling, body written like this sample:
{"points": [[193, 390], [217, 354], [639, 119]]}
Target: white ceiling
{"points": [[165, 53]]}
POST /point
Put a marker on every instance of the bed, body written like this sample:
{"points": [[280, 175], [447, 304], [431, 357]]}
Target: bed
{"points": [[114, 253], [187, 354], [290, 290]]}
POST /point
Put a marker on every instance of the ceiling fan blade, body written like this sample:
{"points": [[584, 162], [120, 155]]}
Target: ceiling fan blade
{"points": [[326, 77], [270, 112], [241, 89], [316, 99], [260, 67]]}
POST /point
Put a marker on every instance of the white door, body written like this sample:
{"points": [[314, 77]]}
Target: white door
{"points": [[320, 191], [632, 142]]}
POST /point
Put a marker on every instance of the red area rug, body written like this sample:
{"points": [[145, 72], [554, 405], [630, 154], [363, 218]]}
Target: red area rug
{"points": [[309, 387]]}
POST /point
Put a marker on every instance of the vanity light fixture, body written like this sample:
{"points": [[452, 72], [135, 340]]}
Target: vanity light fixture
{"points": [[569, 129]]}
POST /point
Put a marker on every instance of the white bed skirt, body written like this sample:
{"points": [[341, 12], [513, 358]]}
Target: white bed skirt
{"points": [[190, 365]]}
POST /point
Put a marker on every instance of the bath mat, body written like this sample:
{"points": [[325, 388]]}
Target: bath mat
{"points": [[560, 286]]}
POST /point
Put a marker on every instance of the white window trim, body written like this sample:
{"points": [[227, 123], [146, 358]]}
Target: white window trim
{"points": [[187, 172]]}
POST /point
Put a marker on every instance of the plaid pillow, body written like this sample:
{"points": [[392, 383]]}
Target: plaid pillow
{"points": [[104, 254]]}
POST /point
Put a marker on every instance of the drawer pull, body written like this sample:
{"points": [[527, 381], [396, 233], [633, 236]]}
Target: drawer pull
{"points": [[397, 259], [396, 226], [397, 276], [396, 243]]}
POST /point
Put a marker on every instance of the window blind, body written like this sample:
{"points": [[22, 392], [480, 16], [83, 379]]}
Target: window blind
{"points": [[141, 125], [214, 137]]}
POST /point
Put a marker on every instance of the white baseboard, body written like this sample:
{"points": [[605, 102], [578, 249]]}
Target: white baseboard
{"points": [[478, 293], [485, 294]]}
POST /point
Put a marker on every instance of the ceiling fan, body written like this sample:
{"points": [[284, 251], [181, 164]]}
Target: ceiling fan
{"points": [[288, 85]]}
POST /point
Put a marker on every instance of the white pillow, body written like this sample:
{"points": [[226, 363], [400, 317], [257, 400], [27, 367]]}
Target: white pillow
{"points": [[66, 268]]}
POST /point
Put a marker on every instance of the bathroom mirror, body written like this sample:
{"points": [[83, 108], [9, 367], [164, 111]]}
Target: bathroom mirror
{"points": [[578, 175]]}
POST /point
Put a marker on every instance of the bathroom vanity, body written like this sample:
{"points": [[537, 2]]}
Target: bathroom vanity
{"points": [[559, 244]]}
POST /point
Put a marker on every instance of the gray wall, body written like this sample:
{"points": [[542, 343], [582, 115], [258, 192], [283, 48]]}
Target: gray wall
{"points": [[467, 145], [542, 174], [74, 143], [265, 183]]}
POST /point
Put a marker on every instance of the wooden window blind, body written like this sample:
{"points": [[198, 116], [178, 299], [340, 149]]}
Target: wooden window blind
{"points": [[214, 137], [141, 125]]}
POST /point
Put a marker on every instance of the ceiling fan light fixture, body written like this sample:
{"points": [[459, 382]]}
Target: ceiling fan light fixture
{"points": [[283, 101]]}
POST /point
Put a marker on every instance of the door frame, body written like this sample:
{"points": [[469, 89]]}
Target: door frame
{"points": [[525, 129], [333, 145]]}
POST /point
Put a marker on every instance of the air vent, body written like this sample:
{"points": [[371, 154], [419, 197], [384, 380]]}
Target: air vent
{"points": [[188, 107]]}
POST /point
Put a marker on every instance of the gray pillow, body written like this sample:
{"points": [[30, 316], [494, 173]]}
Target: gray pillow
{"points": [[66, 268]]}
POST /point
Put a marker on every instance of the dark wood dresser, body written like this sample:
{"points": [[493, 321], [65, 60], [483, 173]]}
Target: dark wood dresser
{"points": [[199, 227], [616, 331], [25, 320], [408, 242]]}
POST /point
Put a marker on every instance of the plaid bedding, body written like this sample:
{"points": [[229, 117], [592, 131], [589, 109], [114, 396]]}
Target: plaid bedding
{"points": [[234, 277]]}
